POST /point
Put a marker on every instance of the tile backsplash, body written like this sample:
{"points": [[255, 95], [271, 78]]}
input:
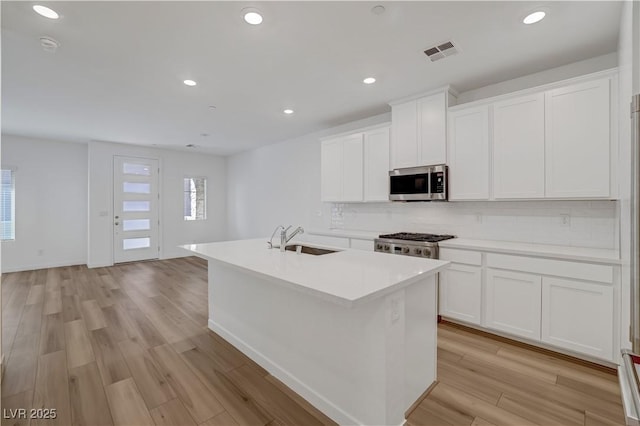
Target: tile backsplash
{"points": [[572, 223]]}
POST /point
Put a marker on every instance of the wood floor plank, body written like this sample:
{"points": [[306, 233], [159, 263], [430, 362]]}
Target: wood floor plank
{"points": [[475, 407], [88, 399], [475, 385], [446, 412], [92, 314], [117, 323], [110, 361], [127, 405], [237, 402], [153, 387], [52, 390], [479, 421], [423, 417], [300, 401], [196, 397], [71, 308], [275, 402], [52, 302], [78, 344], [541, 411], [604, 390], [593, 419], [31, 320], [224, 358], [20, 371], [146, 331], [36, 295], [222, 419], [52, 334], [172, 413], [11, 405]]}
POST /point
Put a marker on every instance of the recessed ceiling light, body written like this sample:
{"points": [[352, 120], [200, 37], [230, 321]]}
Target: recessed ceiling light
{"points": [[252, 16], [369, 80], [190, 82], [534, 17], [45, 11], [288, 111], [378, 10]]}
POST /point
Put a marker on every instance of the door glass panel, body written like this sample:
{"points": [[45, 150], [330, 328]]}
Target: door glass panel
{"points": [[136, 187], [136, 206], [135, 243], [136, 224], [136, 169]]}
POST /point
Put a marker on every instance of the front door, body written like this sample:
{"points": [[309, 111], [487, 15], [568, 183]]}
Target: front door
{"points": [[135, 209]]}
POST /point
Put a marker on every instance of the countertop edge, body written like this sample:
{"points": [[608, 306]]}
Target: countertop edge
{"points": [[540, 251]]}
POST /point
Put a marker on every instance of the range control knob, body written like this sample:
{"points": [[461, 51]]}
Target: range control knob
{"points": [[386, 247], [426, 252], [417, 251], [405, 249], [378, 246]]}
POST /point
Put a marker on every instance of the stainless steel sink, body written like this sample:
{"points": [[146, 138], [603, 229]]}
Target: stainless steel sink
{"points": [[309, 250]]}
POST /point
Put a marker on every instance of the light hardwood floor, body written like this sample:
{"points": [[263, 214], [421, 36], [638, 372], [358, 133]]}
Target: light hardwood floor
{"points": [[129, 345]]}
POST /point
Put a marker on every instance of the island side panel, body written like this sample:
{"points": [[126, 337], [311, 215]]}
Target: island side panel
{"points": [[348, 362]]}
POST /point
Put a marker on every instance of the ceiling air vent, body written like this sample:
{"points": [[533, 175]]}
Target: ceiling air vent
{"points": [[441, 51]]}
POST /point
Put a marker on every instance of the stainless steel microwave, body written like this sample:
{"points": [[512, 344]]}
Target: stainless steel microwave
{"points": [[427, 183]]}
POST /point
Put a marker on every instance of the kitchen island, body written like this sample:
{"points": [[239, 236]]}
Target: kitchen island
{"points": [[353, 332]]}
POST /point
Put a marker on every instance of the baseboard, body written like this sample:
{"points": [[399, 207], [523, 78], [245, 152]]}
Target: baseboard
{"points": [[314, 398], [46, 265]]}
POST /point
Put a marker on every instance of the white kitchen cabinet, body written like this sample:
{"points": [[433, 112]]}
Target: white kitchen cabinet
{"points": [[518, 147], [341, 169], [376, 165], [577, 315], [353, 168], [404, 146], [512, 302], [461, 293], [578, 140], [419, 131], [331, 165], [469, 154]]}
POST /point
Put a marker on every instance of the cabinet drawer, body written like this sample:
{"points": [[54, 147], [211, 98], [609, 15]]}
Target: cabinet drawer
{"points": [[561, 268], [461, 256]]}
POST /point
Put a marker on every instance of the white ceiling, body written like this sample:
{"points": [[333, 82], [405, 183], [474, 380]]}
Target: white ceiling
{"points": [[118, 73]]}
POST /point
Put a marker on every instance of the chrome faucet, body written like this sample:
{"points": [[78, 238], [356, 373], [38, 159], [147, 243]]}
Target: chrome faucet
{"points": [[270, 242], [284, 239]]}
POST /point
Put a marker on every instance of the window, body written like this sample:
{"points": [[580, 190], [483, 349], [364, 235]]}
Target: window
{"points": [[195, 198], [7, 205]]}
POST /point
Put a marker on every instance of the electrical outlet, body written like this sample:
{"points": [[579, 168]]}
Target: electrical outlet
{"points": [[565, 220], [395, 310], [478, 217]]}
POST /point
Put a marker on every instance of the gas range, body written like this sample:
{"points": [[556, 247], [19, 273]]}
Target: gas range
{"points": [[410, 244]]}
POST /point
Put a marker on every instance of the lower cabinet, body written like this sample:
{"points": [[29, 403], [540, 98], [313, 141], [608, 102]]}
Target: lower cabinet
{"points": [[461, 293], [512, 302], [578, 316]]}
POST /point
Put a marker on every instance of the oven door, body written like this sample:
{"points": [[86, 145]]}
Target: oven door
{"points": [[411, 184]]}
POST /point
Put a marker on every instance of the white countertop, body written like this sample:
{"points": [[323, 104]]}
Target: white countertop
{"points": [[584, 254], [347, 277]]}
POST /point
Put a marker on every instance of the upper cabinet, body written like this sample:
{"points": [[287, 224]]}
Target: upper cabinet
{"points": [[578, 135], [469, 154], [419, 131], [355, 167], [518, 147], [553, 144]]}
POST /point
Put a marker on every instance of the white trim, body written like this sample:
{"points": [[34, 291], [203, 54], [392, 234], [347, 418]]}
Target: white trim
{"points": [[46, 265], [609, 73], [446, 89], [358, 130], [317, 400]]}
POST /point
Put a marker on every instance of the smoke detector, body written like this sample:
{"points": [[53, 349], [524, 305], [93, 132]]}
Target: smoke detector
{"points": [[441, 51], [49, 44]]}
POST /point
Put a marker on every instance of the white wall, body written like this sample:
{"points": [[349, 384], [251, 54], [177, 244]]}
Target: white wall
{"points": [[174, 230], [51, 203], [281, 184]]}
